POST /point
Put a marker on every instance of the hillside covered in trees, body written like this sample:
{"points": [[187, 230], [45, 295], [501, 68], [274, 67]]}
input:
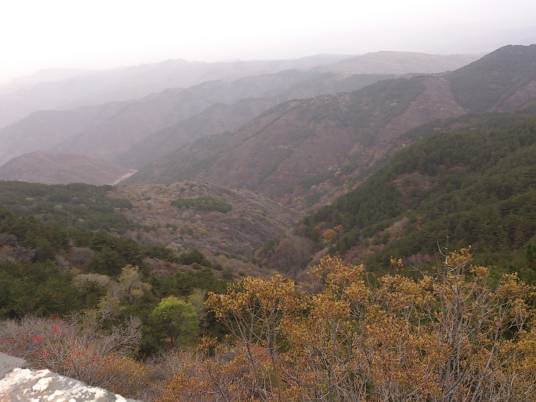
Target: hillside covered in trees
{"points": [[471, 182], [52, 266]]}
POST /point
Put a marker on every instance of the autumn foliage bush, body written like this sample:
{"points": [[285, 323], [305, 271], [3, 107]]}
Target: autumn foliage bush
{"points": [[448, 337], [65, 347]]}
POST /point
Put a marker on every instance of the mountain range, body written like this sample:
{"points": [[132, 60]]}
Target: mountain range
{"points": [[110, 130], [67, 89], [306, 152], [122, 84], [397, 63]]}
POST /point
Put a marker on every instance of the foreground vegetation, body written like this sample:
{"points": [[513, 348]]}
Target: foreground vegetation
{"points": [[343, 336], [51, 270]]}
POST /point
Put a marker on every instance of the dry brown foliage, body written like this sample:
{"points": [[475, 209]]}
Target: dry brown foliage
{"points": [[446, 338]]}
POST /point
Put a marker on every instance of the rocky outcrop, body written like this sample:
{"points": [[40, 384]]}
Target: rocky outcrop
{"points": [[20, 384]]}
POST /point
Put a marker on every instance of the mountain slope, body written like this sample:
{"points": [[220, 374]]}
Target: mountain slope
{"points": [[183, 216], [42, 167], [79, 206], [473, 182], [216, 119], [504, 80], [83, 88], [39, 77], [221, 117], [398, 63], [109, 130], [100, 131], [305, 152]]}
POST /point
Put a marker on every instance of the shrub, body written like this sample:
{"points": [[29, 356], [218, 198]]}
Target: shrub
{"points": [[193, 257], [175, 320], [80, 352]]}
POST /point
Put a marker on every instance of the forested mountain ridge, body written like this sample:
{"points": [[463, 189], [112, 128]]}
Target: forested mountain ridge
{"points": [[472, 182], [72, 131], [222, 223], [79, 206], [222, 117], [504, 80], [227, 225], [302, 143], [55, 261]]}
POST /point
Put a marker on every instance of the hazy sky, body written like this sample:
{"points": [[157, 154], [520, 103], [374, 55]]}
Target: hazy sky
{"points": [[36, 34]]}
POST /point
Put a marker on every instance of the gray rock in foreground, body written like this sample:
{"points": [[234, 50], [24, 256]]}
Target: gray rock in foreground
{"points": [[19, 384]]}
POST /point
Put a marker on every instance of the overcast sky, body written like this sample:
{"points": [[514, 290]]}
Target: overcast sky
{"points": [[37, 34]]}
